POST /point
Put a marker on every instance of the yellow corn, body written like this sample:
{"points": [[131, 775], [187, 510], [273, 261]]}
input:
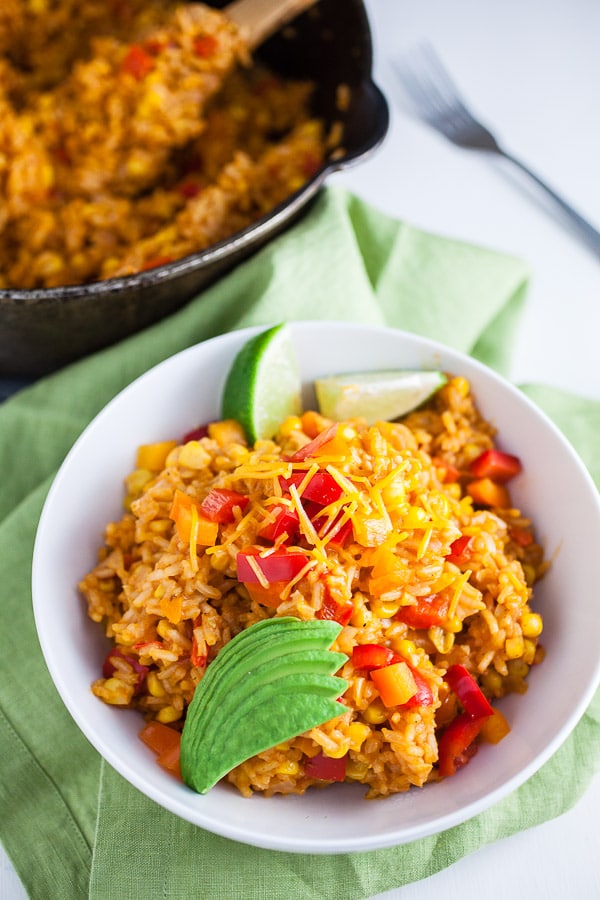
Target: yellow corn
{"points": [[194, 456], [357, 732], [375, 713], [514, 646], [288, 767], [531, 624], [356, 770], [154, 685], [384, 609], [168, 714]]}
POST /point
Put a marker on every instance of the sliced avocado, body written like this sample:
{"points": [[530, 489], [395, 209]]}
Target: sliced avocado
{"points": [[270, 683]]}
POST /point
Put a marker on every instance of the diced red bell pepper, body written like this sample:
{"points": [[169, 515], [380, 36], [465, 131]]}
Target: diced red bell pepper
{"points": [[219, 504], [424, 694], [317, 443], [325, 768], [195, 434], [285, 521], [334, 611], [472, 698], [373, 656], [280, 565], [342, 535], [460, 550], [457, 746], [426, 612], [109, 668], [322, 487], [205, 45], [137, 62], [155, 262], [496, 465]]}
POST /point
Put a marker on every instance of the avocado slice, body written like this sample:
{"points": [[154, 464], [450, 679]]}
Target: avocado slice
{"points": [[270, 683]]}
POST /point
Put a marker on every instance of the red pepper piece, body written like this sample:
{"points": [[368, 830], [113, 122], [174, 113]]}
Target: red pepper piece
{"points": [[219, 503], [322, 487], [426, 612], [373, 656], [456, 745], [521, 536], [321, 439], [496, 465], [109, 668], [424, 695], [195, 434], [281, 565], [342, 535], [205, 46], [188, 189], [325, 768], [472, 698], [137, 62], [460, 550], [155, 262], [334, 611], [285, 521]]}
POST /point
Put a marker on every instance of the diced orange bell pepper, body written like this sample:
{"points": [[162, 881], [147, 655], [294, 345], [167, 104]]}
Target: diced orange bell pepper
{"points": [[165, 742], [268, 596], [486, 492], [395, 683], [154, 456], [181, 513]]}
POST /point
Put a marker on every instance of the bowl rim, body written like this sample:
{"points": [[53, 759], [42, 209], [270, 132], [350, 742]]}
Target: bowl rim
{"points": [[170, 800]]}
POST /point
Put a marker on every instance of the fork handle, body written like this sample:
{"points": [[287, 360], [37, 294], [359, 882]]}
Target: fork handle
{"points": [[587, 232]]}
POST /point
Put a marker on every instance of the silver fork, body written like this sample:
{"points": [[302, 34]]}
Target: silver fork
{"points": [[437, 101]]}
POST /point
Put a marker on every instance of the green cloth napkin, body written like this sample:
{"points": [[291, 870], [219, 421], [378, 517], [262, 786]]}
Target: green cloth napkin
{"points": [[72, 826]]}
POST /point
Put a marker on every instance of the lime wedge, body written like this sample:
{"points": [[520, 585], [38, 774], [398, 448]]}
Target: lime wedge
{"points": [[375, 396], [263, 384]]}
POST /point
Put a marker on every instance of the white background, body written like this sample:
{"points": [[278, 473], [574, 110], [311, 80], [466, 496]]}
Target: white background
{"points": [[530, 68]]}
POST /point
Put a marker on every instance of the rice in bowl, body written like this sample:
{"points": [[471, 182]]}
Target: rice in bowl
{"points": [[381, 558]]}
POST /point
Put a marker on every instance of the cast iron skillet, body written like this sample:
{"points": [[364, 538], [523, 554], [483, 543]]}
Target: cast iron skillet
{"points": [[42, 330]]}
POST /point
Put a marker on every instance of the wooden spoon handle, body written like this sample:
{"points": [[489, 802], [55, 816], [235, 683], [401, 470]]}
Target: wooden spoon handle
{"points": [[259, 19]]}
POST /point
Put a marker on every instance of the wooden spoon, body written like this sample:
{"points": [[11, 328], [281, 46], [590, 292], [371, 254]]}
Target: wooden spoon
{"points": [[259, 19]]}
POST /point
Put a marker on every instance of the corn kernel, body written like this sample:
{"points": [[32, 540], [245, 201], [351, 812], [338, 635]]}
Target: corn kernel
{"points": [[358, 733], [531, 624], [513, 647], [384, 609], [492, 682], [194, 456], [529, 651], [168, 714], [289, 767], [163, 628], [356, 770], [154, 685], [375, 713]]}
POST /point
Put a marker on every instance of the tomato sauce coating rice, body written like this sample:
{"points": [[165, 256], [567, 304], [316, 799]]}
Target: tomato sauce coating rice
{"points": [[395, 547], [136, 133]]}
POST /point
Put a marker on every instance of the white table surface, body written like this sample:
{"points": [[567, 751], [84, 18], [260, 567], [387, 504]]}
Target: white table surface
{"points": [[530, 68]]}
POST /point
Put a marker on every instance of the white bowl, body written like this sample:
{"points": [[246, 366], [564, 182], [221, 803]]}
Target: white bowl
{"points": [[184, 391]]}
